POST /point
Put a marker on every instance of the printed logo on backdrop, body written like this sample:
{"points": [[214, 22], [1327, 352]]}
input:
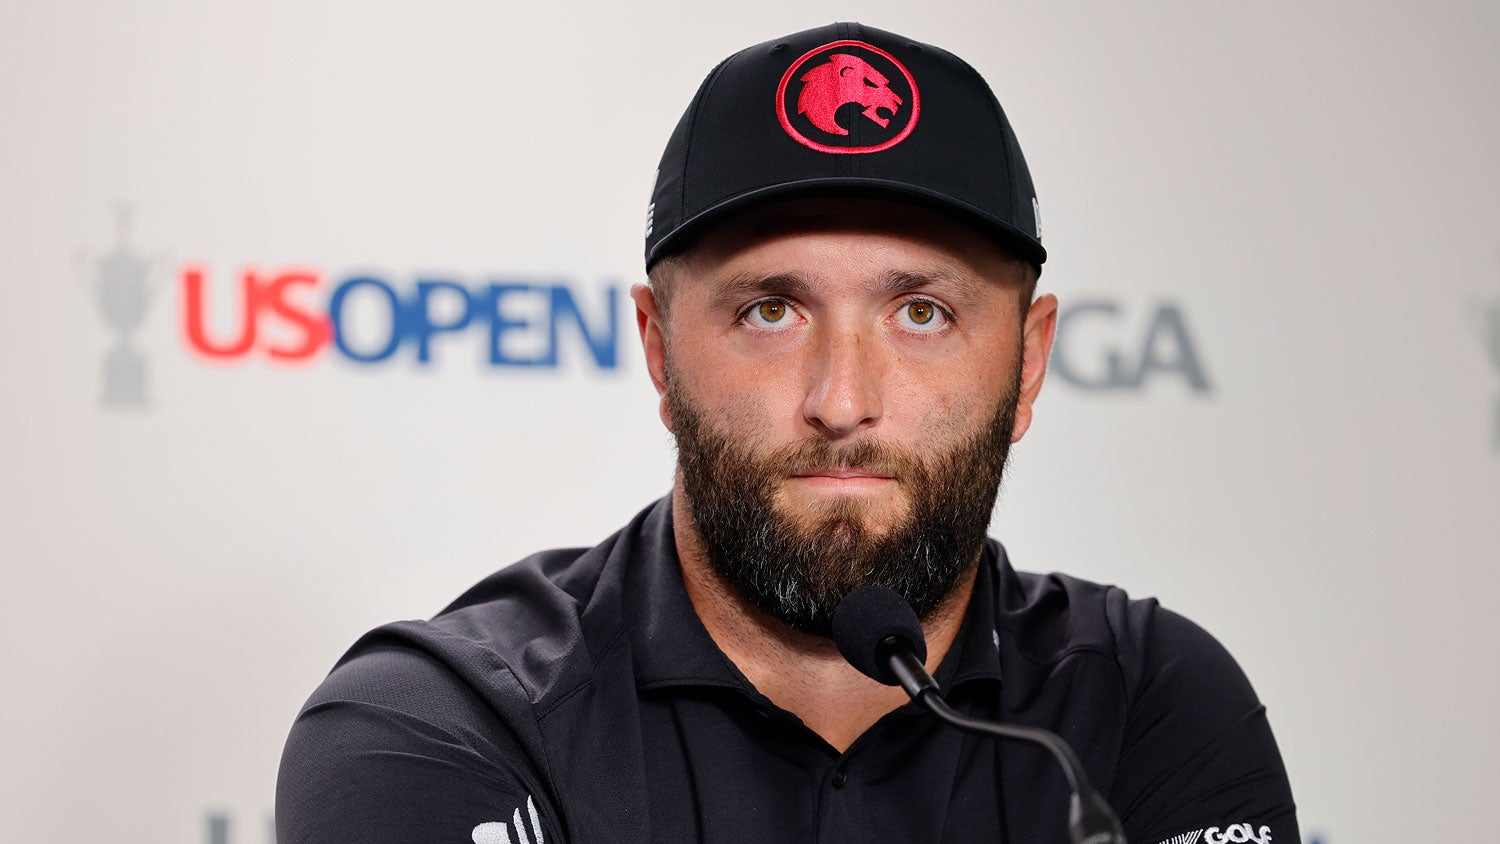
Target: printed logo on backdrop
{"points": [[122, 291], [218, 829], [297, 314], [1486, 316], [1105, 345]]}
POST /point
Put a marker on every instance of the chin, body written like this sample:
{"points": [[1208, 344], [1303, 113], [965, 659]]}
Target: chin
{"points": [[822, 512]]}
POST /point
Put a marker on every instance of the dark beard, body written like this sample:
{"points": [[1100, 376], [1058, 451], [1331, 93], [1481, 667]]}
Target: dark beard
{"points": [[798, 574]]}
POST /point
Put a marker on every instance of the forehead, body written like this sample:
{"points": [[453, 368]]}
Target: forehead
{"points": [[790, 235]]}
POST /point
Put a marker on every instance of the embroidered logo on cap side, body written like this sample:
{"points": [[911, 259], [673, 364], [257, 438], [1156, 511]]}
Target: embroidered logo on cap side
{"points": [[848, 97]]}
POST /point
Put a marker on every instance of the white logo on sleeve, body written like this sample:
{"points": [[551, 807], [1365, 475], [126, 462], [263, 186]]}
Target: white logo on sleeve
{"points": [[1240, 833], [495, 832]]}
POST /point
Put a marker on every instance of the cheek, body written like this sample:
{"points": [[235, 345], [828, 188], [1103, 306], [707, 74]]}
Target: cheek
{"points": [[742, 405], [735, 387], [935, 419], [951, 394]]}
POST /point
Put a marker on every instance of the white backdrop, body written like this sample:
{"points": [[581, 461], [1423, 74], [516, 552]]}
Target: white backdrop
{"points": [[1309, 192]]}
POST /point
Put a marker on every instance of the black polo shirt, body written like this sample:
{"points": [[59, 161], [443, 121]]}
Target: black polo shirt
{"points": [[576, 697]]}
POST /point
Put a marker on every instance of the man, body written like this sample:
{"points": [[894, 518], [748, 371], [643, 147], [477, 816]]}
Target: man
{"points": [[842, 327]]}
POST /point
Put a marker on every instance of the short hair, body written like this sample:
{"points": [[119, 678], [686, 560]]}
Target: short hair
{"points": [[663, 278]]}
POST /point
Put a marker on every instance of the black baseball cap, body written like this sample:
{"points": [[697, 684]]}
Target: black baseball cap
{"points": [[844, 109]]}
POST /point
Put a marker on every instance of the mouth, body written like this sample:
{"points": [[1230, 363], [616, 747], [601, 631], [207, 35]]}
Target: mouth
{"points": [[844, 479], [844, 474]]}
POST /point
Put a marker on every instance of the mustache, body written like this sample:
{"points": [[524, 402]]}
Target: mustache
{"points": [[865, 456]]}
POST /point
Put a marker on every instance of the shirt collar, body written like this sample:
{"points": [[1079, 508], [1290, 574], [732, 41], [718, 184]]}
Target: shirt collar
{"points": [[671, 647], [669, 644]]}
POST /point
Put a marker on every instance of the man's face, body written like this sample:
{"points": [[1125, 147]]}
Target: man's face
{"points": [[842, 378]]}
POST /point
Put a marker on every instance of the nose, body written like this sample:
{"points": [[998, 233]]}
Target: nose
{"points": [[845, 379]]}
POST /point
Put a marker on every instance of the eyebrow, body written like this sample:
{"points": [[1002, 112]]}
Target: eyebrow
{"points": [[793, 285], [737, 287], [897, 282]]}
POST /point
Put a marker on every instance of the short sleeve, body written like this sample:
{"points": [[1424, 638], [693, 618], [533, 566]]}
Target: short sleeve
{"points": [[394, 749], [1198, 761]]}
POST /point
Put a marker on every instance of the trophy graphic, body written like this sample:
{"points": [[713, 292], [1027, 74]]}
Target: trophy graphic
{"points": [[1487, 319], [120, 290]]}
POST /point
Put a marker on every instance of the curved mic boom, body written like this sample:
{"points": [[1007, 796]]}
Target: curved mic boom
{"points": [[879, 634]]}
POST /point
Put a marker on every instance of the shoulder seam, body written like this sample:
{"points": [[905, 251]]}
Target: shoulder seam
{"points": [[1071, 651], [1116, 593], [566, 696]]}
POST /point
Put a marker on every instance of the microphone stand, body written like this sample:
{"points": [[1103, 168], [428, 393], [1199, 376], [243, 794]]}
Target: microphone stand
{"points": [[1090, 820]]}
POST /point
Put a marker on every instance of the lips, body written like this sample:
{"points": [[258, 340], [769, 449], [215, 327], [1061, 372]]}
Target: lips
{"points": [[844, 474]]}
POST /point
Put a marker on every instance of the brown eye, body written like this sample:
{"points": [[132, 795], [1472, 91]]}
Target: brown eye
{"points": [[772, 311], [921, 313]]}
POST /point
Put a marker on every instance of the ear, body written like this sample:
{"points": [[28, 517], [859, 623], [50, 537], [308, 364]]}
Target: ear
{"points": [[653, 342], [1036, 345]]}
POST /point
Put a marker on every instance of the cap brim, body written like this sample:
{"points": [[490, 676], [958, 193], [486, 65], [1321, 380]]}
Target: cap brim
{"points": [[1021, 244]]}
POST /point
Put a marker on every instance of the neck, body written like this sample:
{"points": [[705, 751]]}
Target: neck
{"points": [[799, 672]]}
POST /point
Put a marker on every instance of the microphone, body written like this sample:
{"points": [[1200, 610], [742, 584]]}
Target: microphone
{"points": [[878, 633]]}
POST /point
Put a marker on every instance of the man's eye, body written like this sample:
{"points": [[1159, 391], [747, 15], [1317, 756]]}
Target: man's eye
{"points": [[769, 313], [921, 315]]}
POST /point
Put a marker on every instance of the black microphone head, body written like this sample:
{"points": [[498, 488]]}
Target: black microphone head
{"points": [[866, 617]]}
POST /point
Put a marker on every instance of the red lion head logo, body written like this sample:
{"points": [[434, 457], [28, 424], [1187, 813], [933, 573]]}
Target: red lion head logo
{"points": [[845, 79]]}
